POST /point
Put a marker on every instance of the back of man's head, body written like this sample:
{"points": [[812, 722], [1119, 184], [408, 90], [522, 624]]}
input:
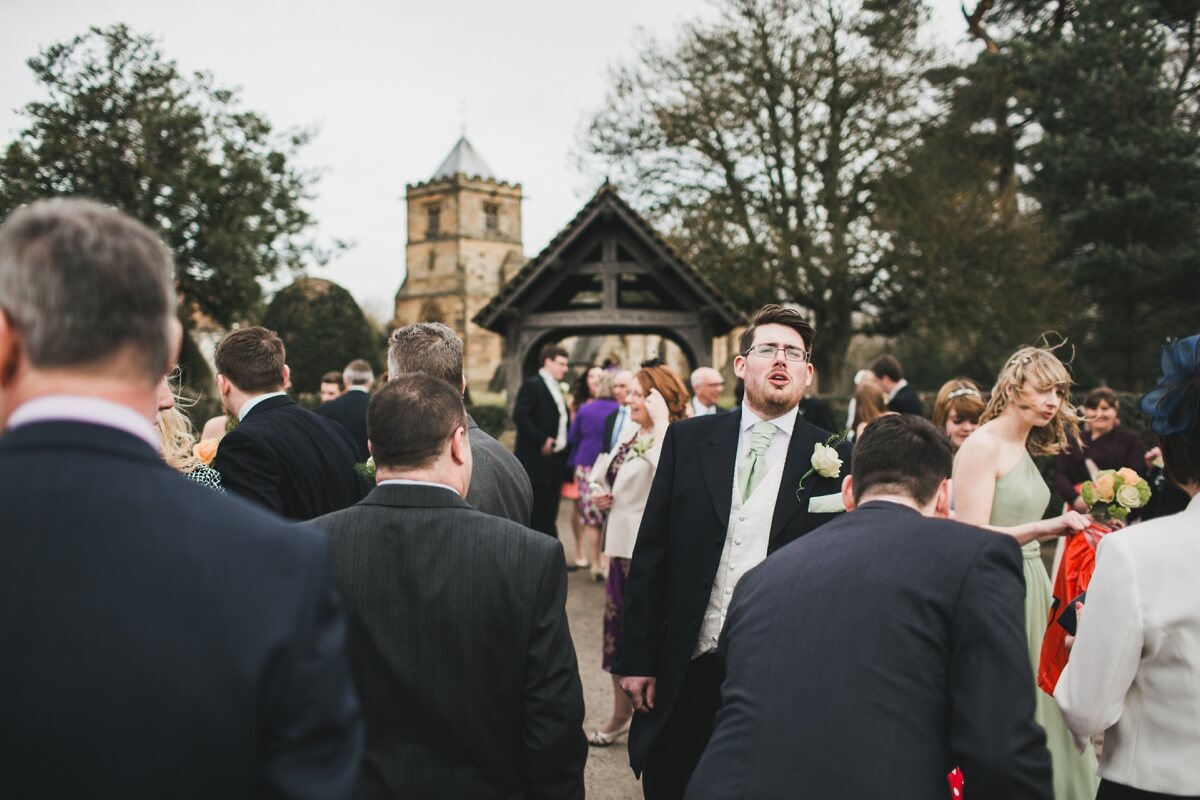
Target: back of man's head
{"points": [[888, 367], [411, 419], [900, 454], [84, 284], [358, 373], [428, 347], [252, 359]]}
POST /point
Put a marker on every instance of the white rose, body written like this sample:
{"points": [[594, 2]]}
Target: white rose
{"points": [[826, 462], [1128, 496]]}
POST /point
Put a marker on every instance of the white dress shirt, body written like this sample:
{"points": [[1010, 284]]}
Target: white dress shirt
{"points": [[89, 410], [777, 452], [1134, 672], [560, 441], [701, 410], [408, 482], [249, 405]]}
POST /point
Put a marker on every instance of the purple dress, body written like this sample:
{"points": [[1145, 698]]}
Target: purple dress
{"points": [[586, 441]]}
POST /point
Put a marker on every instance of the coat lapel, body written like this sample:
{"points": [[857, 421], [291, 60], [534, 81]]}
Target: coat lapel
{"points": [[717, 465], [799, 458]]}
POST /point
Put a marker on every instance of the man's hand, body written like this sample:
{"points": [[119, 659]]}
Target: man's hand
{"points": [[640, 690], [548, 447]]}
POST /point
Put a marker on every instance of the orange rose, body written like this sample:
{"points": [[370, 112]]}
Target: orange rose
{"points": [[1129, 476], [1104, 488], [206, 450]]}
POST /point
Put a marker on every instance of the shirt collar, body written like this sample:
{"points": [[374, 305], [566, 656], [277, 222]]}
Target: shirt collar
{"points": [[366, 389], [90, 410], [249, 405], [785, 423], [407, 482]]}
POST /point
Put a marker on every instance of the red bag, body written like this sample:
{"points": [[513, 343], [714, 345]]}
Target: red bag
{"points": [[1074, 575]]}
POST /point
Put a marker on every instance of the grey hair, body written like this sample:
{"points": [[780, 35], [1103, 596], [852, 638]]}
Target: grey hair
{"points": [[83, 282], [358, 373], [429, 347]]}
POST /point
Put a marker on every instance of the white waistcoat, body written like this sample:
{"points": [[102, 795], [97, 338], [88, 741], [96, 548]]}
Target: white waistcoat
{"points": [[746, 541]]}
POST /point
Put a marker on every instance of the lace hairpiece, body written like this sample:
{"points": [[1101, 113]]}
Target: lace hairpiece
{"points": [[1174, 405], [963, 392], [1019, 359]]}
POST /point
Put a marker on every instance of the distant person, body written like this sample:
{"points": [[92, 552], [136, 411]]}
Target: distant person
{"points": [[1103, 443], [459, 640], [281, 456], [901, 398], [158, 640], [540, 414], [179, 446], [957, 410], [619, 420], [332, 386], [350, 409], [870, 403], [585, 441], [707, 385], [853, 676], [499, 485]]}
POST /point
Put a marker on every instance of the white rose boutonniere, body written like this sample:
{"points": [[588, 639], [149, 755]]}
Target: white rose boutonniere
{"points": [[825, 460], [641, 446]]}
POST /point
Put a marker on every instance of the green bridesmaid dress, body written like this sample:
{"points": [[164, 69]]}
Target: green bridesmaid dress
{"points": [[1022, 496]]}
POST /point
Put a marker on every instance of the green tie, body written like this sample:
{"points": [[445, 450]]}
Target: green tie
{"points": [[753, 465]]}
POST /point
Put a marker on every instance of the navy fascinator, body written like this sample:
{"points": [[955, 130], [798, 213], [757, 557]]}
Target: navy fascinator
{"points": [[1174, 406]]}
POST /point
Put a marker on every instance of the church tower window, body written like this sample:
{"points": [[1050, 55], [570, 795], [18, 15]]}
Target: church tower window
{"points": [[434, 216], [491, 217]]}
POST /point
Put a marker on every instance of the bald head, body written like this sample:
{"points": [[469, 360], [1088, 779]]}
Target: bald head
{"points": [[707, 385]]}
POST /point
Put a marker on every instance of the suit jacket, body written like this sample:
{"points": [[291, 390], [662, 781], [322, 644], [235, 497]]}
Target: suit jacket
{"points": [[610, 422], [536, 416], [159, 639], [817, 412], [907, 401], [679, 547], [290, 460], [350, 411], [872, 656], [499, 484], [460, 649]]}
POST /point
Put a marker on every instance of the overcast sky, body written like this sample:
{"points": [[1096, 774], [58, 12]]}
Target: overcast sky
{"points": [[386, 83]]}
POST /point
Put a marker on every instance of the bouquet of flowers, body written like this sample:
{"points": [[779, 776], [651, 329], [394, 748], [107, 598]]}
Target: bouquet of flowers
{"points": [[1113, 493]]}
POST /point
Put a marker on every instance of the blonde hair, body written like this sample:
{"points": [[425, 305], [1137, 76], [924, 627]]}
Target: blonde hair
{"points": [[960, 395], [175, 431], [1038, 368]]}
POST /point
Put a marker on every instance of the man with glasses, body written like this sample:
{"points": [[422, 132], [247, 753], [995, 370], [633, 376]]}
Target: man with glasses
{"points": [[729, 490], [707, 385]]}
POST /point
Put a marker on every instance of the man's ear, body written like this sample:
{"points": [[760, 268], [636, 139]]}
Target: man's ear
{"points": [[809, 378], [11, 351], [463, 388], [459, 445], [287, 377], [848, 493], [945, 491], [739, 366], [223, 385]]}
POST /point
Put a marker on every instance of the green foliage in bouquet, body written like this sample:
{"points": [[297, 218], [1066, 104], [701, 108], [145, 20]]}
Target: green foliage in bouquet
{"points": [[1113, 493]]}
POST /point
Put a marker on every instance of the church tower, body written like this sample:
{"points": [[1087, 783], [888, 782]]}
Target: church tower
{"points": [[464, 242]]}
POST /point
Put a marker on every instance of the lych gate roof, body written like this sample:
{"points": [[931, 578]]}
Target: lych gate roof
{"points": [[463, 159]]}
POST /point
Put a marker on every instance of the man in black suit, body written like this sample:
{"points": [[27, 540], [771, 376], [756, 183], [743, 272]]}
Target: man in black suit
{"points": [[540, 414], [280, 455], [730, 489], [499, 484], [158, 639], [870, 657], [901, 397], [458, 630], [350, 409]]}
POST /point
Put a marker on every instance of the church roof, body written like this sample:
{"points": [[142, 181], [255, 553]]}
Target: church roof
{"points": [[464, 159]]}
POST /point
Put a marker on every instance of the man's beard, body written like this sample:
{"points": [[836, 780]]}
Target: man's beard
{"points": [[767, 405]]}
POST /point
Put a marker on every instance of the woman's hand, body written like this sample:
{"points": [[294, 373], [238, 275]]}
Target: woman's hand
{"points": [[656, 409], [1064, 525], [602, 500]]}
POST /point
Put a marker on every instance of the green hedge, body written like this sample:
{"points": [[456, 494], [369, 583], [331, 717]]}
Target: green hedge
{"points": [[492, 419]]}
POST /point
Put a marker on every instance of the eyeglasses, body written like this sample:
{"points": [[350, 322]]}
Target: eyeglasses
{"points": [[769, 351]]}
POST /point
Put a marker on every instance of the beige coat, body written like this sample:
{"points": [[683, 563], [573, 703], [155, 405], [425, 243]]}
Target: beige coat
{"points": [[630, 492]]}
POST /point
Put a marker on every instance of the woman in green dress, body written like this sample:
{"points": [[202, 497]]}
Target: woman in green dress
{"points": [[997, 485]]}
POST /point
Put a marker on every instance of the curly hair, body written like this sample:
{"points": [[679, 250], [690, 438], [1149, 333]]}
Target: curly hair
{"points": [[669, 385], [1040, 369]]}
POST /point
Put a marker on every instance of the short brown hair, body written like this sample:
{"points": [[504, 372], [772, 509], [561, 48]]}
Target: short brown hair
{"points": [[551, 352], [335, 378], [669, 385], [411, 418], [772, 314], [1101, 394], [901, 454], [430, 347], [888, 367], [252, 359]]}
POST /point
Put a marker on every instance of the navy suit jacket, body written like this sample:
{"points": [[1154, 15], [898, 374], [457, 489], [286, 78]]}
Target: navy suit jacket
{"points": [[679, 547], [907, 401], [290, 460], [871, 657], [159, 639], [460, 649], [350, 411]]}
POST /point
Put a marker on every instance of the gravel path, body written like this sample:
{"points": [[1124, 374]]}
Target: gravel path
{"points": [[607, 776]]}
